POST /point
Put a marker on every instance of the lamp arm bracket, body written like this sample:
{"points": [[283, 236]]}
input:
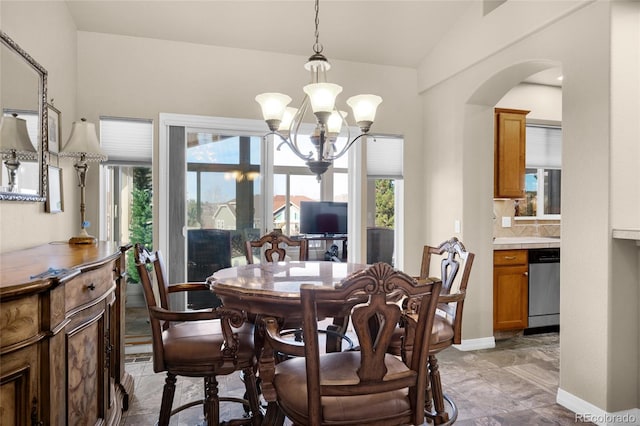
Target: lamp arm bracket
{"points": [[294, 149], [345, 148]]}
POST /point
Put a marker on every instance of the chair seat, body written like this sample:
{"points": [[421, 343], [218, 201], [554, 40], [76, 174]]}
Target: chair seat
{"points": [[441, 336], [196, 347], [340, 368]]}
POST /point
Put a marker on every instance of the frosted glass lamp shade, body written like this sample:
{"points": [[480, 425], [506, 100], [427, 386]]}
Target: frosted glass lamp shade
{"points": [[364, 107], [273, 105], [287, 118], [322, 96], [14, 138], [83, 141], [334, 124]]}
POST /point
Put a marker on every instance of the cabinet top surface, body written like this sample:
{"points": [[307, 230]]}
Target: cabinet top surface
{"points": [[515, 243], [34, 267]]}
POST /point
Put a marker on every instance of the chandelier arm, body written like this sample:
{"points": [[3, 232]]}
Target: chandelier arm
{"points": [[292, 147], [345, 148], [294, 130]]}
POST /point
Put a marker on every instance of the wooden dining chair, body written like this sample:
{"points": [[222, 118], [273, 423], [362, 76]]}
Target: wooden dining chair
{"points": [[453, 257], [203, 343], [275, 243], [365, 386]]}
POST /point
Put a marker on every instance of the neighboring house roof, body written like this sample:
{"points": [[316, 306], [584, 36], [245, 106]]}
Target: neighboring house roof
{"points": [[279, 201], [231, 206]]}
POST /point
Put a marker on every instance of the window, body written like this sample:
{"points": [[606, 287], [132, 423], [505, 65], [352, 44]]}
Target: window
{"points": [[126, 178], [126, 205], [543, 173], [384, 174], [293, 182]]}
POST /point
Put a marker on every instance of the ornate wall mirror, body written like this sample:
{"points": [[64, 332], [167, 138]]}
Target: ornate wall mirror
{"points": [[23, 97]]}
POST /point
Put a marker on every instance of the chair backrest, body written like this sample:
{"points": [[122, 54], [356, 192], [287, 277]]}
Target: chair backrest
{"points": [[374, 284], [151, 268], [276, 243], [453, 257]]}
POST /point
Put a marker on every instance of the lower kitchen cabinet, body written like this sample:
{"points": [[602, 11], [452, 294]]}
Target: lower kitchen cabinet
{"points": [[510, 289]]}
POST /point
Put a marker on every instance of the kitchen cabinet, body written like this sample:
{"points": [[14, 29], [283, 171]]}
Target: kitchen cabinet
{"points": [[62, 328], [509, 151], [510, 289]]}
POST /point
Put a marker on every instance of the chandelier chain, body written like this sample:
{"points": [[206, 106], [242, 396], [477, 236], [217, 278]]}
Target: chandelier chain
{"points": [[317, 47]]}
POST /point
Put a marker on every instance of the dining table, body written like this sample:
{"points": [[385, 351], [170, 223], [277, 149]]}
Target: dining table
{"points": [[272, 289]]}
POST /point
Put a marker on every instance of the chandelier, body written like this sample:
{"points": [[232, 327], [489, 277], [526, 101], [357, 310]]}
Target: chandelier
{"points": [[320, 97]]}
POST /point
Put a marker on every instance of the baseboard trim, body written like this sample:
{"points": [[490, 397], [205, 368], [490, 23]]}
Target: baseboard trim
{"points": [[476, 344], [587, 412]]}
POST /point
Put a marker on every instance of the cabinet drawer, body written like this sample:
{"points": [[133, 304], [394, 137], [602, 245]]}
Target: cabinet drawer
{"points": [[509, 257], [20, 320], [88, 286]]}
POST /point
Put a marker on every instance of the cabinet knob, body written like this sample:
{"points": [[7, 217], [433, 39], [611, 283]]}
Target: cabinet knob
{"points": [[91, 286], [509, 258], [526, 274]]}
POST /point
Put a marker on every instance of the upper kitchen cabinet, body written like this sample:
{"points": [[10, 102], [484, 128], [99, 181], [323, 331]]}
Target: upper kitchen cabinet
{"points": [[509, 151]]}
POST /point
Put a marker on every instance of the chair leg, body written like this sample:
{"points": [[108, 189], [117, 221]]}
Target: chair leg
{"points": [[251, 387], [167, 399], [439, 414], [211, 401]]}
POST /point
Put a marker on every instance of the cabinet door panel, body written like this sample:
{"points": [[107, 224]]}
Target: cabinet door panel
{"points": [[85, 374], [510, 298], [510, 148], [18, 387]]}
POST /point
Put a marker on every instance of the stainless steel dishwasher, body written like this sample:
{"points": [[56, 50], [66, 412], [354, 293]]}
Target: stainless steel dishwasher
{"points": [[544, 287]]}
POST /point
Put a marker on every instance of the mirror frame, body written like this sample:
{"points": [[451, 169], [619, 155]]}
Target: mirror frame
{"points": [[43, 150]]}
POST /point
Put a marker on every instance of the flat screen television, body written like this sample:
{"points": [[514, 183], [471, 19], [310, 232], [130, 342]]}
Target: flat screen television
{"points": [[323, 217]]}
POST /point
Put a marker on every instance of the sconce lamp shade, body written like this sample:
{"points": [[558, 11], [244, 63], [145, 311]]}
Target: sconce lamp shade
{"points": [[83, 141], [14, 138]]}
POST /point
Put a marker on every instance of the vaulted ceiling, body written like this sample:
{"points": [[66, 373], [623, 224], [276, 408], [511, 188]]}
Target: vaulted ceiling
{"points": [[397, 33]]}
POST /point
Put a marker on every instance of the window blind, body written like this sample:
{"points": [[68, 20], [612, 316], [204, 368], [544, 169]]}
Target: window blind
{"points": [[126, 140], [544, 147], [384, 157]]}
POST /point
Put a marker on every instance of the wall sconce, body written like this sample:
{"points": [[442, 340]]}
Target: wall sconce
{"points": [[84, 145], [15, 145]]}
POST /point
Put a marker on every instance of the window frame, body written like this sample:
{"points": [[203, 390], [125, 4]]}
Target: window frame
{"points": [[540, 194]]}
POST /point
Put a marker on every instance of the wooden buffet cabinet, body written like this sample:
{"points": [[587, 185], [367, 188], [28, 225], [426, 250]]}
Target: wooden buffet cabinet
{"points": [[510, 150], [62, 335], [510, 289]]}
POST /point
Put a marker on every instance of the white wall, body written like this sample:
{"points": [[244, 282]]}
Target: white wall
{"points": [[137, 77], [459, 171], [544, 103], [47, 32]]}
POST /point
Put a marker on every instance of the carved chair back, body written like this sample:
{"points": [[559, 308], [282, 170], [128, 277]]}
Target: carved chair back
{"points": [[369, 370], [276, 244], [453, 257]]}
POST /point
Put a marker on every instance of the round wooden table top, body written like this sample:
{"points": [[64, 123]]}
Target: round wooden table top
{"points": [[274, 288]]}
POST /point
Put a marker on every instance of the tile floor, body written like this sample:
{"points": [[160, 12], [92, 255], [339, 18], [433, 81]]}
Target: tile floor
{"points": [[512, 384]]}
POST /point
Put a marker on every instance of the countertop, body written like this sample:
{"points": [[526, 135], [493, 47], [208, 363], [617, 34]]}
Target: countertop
{"points": [[515, 243]]}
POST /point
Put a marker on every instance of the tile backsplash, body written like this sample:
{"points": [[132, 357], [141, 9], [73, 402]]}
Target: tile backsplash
{"points": [[521, 227]]}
